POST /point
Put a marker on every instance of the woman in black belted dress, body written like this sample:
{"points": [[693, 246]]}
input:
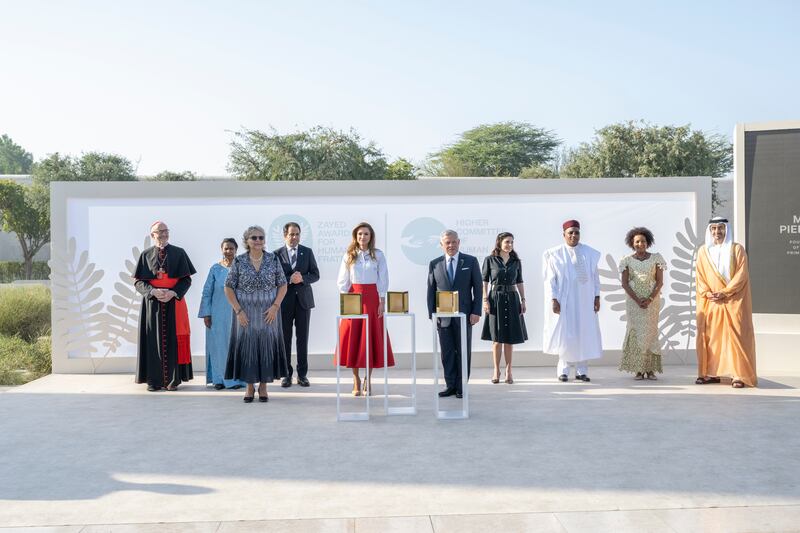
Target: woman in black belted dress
{"points": [[503, 303]]}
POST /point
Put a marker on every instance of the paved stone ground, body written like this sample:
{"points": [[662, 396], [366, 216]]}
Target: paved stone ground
{"points": [[98, 453]]}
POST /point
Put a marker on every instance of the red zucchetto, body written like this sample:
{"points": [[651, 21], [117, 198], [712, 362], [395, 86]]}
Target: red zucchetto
{"points": [[570, 224]]}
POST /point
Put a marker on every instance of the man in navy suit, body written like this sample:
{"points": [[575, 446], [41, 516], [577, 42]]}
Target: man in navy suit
{"points": [[455, 271], [301, 271]]}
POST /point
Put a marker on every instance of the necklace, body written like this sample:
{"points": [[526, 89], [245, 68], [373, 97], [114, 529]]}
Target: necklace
{"points": [[161, 262], [257, 262]]}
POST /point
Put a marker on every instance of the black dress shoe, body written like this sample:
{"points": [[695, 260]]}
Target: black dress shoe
{"points": [[219, 386], [151, 388], [286, 382], [303, 382], [447, 392], [459, 395], [563, 377], [583, 377]]}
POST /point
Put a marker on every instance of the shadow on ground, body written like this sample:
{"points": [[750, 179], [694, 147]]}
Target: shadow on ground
{"points": [[613, 434]]}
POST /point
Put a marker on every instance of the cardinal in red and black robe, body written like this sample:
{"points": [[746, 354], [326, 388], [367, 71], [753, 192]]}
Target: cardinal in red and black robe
{"points": [[163, 276]]}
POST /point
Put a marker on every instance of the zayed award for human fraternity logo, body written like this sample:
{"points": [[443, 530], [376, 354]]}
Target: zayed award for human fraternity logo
{"points": [[420, 240], [275, 232]]}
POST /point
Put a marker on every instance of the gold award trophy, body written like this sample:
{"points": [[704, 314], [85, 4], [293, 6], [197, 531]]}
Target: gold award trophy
{"points": [[397, 302], [349, 303], [447, 301]]}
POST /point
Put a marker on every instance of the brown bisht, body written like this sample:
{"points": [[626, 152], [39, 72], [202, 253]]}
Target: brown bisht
{"points": [[164, 358]]}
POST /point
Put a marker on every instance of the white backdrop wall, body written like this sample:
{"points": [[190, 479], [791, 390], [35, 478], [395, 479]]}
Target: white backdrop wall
{"points": [[98, 230]]}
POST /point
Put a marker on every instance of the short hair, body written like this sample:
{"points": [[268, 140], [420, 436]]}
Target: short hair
{"points": [[644, 232], [249, 231], [448, 233], [289, 225], [230, 240], [156, 223]]}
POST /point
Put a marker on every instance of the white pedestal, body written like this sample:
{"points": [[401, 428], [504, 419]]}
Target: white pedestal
{"points": [[464, 411], [350, 416], [400, 410]]}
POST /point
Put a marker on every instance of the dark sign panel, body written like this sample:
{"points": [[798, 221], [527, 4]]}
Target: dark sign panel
{"points": [[772, 203]]}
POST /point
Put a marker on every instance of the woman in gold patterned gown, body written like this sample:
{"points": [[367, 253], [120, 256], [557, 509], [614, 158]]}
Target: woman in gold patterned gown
{"points": [[642, 278]]}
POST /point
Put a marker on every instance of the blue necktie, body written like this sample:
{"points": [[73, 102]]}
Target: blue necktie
{"points": [[451, 270]]}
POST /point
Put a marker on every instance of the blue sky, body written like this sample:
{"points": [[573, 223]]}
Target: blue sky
{"points": [[164, 83]]}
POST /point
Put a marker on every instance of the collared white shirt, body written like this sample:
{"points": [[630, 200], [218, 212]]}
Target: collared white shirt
{"points": [[447, 264], [364, 271]]}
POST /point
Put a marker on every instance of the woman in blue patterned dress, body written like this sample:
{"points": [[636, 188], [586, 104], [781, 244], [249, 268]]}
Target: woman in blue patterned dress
{"points": [[255, 287], [217, 316]]}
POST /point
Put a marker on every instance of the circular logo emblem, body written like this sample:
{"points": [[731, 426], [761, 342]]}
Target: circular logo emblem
{"points": [[420, 240], [275, 231]]}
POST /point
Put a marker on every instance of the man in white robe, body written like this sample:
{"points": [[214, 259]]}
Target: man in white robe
{"points": [[572, 300]]}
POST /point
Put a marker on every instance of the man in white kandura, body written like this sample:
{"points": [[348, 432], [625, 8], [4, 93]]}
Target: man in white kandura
{"points": [[572, 300]]}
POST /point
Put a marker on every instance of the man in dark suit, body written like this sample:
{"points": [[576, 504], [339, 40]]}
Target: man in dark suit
{"points": [[455, 271], [301, 271]]}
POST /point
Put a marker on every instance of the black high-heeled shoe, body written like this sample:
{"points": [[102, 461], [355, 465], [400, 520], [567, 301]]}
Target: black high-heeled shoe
{"points": [[248, 399]]}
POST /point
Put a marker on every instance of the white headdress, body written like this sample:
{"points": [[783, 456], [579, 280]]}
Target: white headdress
{"points": [[720, 254]]}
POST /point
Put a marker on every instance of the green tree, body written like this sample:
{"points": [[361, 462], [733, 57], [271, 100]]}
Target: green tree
{"points": [[25, 211], [636, 148], [54, 168], [501, 149], [13, 158], [96, 166], [91, 166], [400, 169], [169, 175], [317, 154]]}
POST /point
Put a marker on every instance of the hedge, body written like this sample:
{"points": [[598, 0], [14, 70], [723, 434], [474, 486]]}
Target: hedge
{"points": [[15, 270]]}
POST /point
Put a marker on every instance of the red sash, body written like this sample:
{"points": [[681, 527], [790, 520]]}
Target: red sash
{"points": [[181, 319]]}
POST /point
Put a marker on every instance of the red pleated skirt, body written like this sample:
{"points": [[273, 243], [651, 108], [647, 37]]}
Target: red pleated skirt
{"points": [[353, 337]]}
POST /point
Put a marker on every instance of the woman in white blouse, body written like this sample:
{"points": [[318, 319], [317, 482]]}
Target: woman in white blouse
{"points": [[364, 271]]}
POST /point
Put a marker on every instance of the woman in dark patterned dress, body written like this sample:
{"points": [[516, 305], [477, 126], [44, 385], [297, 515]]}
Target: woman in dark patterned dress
{"points": [[255, 287], [504, 303]]}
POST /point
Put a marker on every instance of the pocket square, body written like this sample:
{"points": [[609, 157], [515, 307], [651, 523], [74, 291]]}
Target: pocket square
{"points": [[465, 268]]}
